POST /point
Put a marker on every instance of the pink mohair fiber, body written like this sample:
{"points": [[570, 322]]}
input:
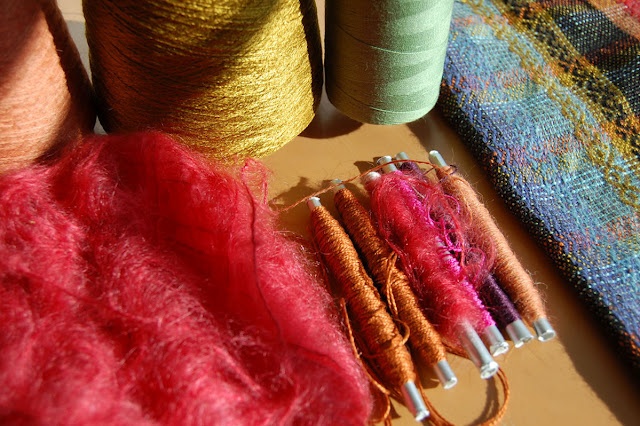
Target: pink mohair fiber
{"points": [[406, 220], [474, 256], [141, 284]]}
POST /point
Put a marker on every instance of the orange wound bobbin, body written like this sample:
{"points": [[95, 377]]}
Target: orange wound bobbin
{"points": [[393, 283], [374, 329]]}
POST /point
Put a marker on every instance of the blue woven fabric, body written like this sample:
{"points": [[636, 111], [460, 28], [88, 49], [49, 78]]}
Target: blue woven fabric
{"points": [[546, 94]]}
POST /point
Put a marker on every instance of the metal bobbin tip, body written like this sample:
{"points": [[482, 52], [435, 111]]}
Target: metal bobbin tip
{"points": [[414, 401], [543, 329], [338, 185], [478, 353], [519, 333], [313, 202], [436, 158], [489, 370], [495, 341], [370, 178], [386, 163], [402, 156], [445, 374]]}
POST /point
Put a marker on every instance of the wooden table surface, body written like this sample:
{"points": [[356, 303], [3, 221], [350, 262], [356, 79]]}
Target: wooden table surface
{"points": [[575, 379]]}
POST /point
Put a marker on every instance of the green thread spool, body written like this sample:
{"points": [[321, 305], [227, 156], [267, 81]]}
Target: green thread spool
{"points": [[226, 77], [384, 59]]}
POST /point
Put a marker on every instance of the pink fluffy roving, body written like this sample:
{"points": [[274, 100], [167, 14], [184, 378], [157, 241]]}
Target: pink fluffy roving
{"points": [[402, 212], [142, 285]]}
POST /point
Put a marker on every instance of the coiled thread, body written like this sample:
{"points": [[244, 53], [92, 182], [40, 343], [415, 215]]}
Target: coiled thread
{"points": [[234, 77]]}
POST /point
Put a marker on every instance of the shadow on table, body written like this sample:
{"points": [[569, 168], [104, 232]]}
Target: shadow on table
{"points": [[329, 122]]}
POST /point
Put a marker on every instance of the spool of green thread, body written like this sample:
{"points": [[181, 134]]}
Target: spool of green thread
{"points": [[384, 59]]}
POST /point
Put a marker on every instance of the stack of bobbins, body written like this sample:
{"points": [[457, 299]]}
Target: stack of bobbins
{"points": [[509, 286], [492, 295], [491, 334], [373, 329], [391, 282], [507, 302], [514, 279], [451, 304]]}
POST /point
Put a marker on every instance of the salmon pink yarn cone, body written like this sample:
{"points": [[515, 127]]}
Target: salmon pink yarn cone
{"points": [[46, 100]]}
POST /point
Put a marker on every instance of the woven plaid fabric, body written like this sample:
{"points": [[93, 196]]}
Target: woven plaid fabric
{"points": [[547, 95]]}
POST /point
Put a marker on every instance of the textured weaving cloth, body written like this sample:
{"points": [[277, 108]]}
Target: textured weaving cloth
{"points": [[547, 96]]}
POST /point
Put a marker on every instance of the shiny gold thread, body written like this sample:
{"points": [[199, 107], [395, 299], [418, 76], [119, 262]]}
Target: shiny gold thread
{"points": [[239, 77]]}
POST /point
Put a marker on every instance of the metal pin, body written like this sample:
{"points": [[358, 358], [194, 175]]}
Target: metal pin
{"points": [[414, 401], [478, 353], [370, 178], [402, 156], [445, 374], [436, 158], [543, 329], [338, 185], [519, 333], [313, 202], [495, 341], [387, 165]]}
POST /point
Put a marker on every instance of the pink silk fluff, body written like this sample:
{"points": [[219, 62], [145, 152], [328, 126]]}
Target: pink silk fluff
{"points": [[423, 244], [140, 284]]}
